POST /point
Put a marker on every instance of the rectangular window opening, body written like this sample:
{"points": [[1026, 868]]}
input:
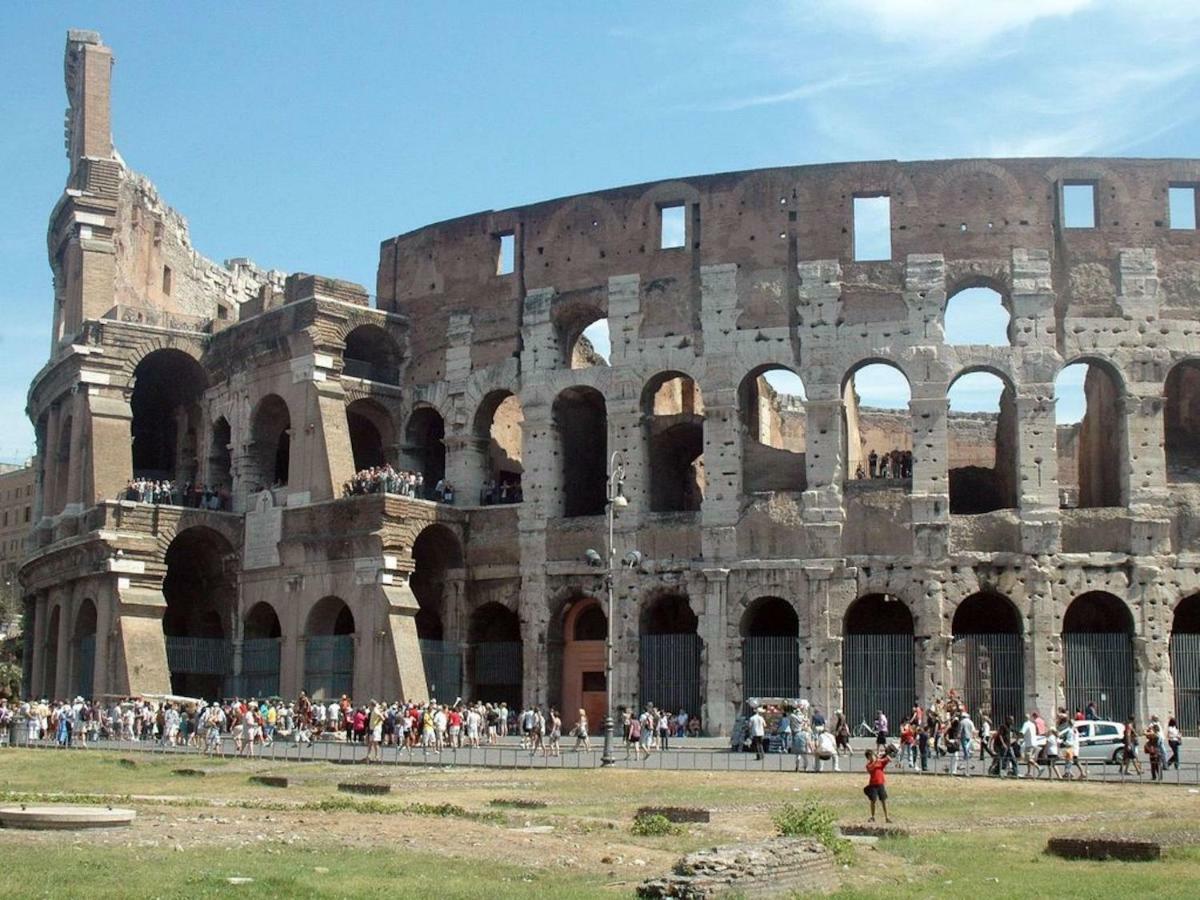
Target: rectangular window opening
{"points": [[672, 226], [167, 280], [1079, 204], [1181, 204], [873, 227], [506, 257]]}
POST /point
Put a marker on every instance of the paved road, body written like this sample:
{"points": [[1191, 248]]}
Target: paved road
{"points": [[699, 754]]}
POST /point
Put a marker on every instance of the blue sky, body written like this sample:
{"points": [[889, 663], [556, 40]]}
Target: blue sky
{"points": [[301, 135]]}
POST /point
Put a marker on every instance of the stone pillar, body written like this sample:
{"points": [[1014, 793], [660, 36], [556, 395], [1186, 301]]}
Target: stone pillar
{"points": [[41, 613], [930, 501], [62, 671], [141, 652], [101, 670], [718, 711], [1152, 600], [75, 464], [1037, 469], [467, 466], [53, 470], [1044, 688], [106, 419]]}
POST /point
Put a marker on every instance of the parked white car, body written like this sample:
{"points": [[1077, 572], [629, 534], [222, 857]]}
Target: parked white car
{"points": [[1099, 740]]}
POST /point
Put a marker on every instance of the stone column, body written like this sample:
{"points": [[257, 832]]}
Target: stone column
{"points": [[1044, 688], [718, 713], [62, 671], [930, 501], [75, 464], [1152, 600], [41, 612], [51, 506]]}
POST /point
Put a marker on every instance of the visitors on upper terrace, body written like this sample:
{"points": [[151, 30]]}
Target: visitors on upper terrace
{"points": [[167, 493]]}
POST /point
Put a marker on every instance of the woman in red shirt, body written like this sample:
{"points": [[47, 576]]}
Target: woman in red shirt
{"points": [[876, 788]]}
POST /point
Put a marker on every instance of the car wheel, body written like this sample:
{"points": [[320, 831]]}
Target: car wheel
{"points": [[1117, 756]]}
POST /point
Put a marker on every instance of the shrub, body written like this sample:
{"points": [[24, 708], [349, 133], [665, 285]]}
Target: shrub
{"points": [[654, 825], [814, 820]]}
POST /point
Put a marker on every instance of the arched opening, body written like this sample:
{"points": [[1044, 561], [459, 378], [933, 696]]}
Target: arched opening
{"points": [[1098, 655], [271, 434], [977, 316], [220, 462], [198, 623], [673, 419], [581, 425], [498, 431], [877, 424], [436, 554], [83, 646], [495, 654], [50, 666], [584, 685], [771, 406], [425, 448], [167, 387], [371, 353], [671, 651], [988, 656], [1185, 663], [1181, 422], [329, 650], [878, 659], [262, 641], [770, 631], [1089, 414], [371, 434], [982, 444], [590, 346]]}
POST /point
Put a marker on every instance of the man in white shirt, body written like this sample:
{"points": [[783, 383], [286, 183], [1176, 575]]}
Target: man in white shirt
{"points": [[827, 750], [966, 739], [758, 729], [1029, 745]]}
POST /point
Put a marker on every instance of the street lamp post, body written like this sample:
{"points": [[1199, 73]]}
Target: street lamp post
{"points": [[614, 500]]}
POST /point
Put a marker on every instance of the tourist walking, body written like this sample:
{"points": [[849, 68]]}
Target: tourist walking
{"points": [[758, 729], [581, 732], [1174, 741]]}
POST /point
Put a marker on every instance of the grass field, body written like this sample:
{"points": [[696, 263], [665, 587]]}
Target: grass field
{"points": [[449, 832]]}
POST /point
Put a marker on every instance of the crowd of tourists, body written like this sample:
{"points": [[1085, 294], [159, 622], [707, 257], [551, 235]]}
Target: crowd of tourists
{"points": [[894, 463], [164, 492], [503, 490], [944, 735], [653, 729], [387, 480]]}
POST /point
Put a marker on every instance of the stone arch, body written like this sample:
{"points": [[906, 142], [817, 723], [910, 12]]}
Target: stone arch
{"points": [[770, 637], [581, 349], [83, 649], [425, 447], [262, 643], [372, 354], [1091, 458], [200, 590], [329, 645], [220, 460], [879, 430], [495, 648], [372, 433], [644, 214], [580, 416], [673, 422], [774, 432], [982, 449], [671, 675], [1181, 421], [959, 188], [270, 443], [584, 631], [978, 308], [165, 392], [1097, 635], [1185, 663], [498, 431], [988, 656], [878, 658], [435, 553]]}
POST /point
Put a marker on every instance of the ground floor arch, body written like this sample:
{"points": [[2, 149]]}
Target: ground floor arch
{"points": [[988, 657], [584, 681], [494, 645], [878, 659], [671, 651], [262, 644], [436, 553], [1098, 655], [83, 650], [770, 635], [1185, 663], [329, 650], [50, 663], [200, 592]]}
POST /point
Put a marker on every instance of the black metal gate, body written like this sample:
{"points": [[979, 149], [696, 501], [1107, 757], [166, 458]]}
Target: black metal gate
{"points": [[329, 666], [1185, 670], [770, 666], [670, 672], [878, 672], [989, 674], [443, 669], [1099, 669], [86, 666], [199, 667], [260, 667], [497, 672]]}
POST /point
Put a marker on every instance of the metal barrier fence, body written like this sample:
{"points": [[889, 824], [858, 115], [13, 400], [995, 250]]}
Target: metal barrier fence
{"points": [[1099, 669], [989, 671], [1185, 671], [670, 671], [879, 673], [771, 666], [510, 756]]}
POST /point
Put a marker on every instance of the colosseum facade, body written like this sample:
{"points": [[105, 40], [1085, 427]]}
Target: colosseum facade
{"points": [[1022, 563]]}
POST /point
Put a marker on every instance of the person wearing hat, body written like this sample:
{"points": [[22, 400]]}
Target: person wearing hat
{"points": [[758, 730]]}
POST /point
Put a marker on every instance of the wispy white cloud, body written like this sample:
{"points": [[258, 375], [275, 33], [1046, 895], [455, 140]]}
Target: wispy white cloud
{"points": [[806, 91]]}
